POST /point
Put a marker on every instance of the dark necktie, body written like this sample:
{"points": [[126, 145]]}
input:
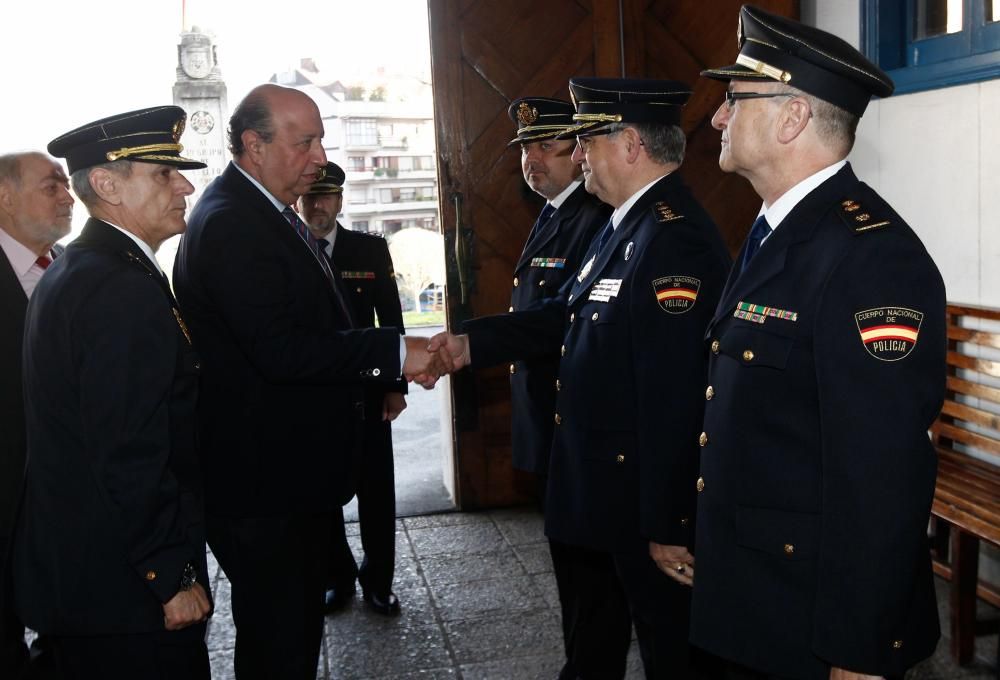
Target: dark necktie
{"points": [[606, 235], [542, 220], [322, 243], [303, 231], [760, 229]]}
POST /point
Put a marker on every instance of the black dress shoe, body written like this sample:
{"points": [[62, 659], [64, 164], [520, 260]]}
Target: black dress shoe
{"points": [[338, 597], [387, 606]]}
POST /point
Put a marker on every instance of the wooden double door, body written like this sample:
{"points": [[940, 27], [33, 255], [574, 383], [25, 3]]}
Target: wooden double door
{"points": [[485, 54]]}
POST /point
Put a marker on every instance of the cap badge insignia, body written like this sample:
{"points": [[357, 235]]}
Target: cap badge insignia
{"points": [[676, 294], [178, 129], [526, 115], [889, 333]]}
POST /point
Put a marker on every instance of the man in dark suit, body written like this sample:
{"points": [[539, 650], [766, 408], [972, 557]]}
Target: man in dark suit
{"points": [[597, 630], [365, 267], [109, 548], [275, 331], [35, 211], [827, 367], [629, 329]]}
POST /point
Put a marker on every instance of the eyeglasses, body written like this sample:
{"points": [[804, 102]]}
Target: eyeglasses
{"points": [[733, 97]]}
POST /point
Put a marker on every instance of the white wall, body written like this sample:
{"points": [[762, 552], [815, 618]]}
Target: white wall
{"points": [[935, 156]]}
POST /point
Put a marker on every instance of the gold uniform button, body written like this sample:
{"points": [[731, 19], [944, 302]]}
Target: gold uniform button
{"points": [[572, 317], [789, 549], [558, 419], [150, 575], [715, 347], [511, 308], [620, 458], [702, 439], [570, 298], [594, 317], [562, 351], [685, 521], [513, 369], [747, 355], [516, 282], [709, 393], [700, 485], [359, 289], [897, 644], [542, 283], [558, 385]]}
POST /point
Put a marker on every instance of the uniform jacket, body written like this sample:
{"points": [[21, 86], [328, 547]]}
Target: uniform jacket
{"points": [[551, 257], [365, 267], [112, 505], [629, 329], [275, 344], [827, 367]]}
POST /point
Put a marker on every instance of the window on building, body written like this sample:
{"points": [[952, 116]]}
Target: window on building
{"points": [[356, 163], [390, 227], [361, 132], [359, 225], [423, 162], [925, 44], [357, 197]]}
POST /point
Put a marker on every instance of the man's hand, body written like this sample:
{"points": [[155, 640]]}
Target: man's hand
{"points": [[455, 346], [393, 404], [423, 366], [841, 674], [673, 560], [186, 608]]}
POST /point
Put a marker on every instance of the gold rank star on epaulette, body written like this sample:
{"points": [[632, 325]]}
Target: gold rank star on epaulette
{"points": [[858, 219], [664, 213]]}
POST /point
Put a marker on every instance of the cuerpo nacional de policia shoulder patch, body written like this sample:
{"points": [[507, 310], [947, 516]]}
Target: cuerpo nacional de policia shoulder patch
{"points": [[676, 294], [889, 333]]}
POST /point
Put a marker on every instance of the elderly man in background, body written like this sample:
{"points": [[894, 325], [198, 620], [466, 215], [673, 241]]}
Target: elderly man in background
{"points": [[35, 212]]}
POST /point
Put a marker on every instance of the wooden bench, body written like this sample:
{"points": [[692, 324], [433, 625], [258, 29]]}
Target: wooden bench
{"points": [[966, 434]]}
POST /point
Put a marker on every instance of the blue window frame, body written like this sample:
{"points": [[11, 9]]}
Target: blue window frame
{"points": [[891, 37]]}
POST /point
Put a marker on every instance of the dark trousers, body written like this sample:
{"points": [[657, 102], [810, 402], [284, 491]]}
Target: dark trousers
{"points": [[165, 655], [277, 569], [376, 491], [661, 611], [595, 615], [13, 651]]}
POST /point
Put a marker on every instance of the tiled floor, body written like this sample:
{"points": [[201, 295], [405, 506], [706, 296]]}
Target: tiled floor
{"points": [[479, 602]]}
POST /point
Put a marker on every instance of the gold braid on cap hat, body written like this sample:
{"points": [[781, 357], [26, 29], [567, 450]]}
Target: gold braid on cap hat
{"points": [[128, 151]]}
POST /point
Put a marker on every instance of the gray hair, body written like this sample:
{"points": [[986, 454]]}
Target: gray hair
{"points": [[253, 113], [835, 126], [80, 180], [664, 143]]}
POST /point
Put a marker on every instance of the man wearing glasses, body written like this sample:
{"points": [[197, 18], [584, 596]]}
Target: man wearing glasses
{"points": [[827, 366]]}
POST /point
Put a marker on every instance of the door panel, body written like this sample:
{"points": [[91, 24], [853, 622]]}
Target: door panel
{"points": [[484, 54]]}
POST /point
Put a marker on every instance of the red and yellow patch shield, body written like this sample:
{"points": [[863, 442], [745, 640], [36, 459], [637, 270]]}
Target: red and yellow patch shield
{"points": [[676, 294], [889, 333]]}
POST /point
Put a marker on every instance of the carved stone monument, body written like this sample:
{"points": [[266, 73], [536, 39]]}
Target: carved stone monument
{"points": [[201, 91]]}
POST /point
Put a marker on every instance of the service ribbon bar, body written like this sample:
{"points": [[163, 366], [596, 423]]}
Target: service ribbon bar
{"points": [[357, 275], [759, 313], [549, 262]]}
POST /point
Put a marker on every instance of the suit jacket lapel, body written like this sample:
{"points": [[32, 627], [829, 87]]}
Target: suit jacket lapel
{"points": [[797, 227], [551, 229], [99, 234]]}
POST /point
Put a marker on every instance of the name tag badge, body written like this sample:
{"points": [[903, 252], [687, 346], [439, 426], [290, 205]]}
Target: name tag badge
{"points": [[605, 289]]}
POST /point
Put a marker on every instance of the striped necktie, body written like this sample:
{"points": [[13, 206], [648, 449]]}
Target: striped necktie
{"points": [[303, 231]]}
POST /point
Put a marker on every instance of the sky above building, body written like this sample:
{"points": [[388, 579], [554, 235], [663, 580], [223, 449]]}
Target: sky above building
{"points": [[68, 62]]}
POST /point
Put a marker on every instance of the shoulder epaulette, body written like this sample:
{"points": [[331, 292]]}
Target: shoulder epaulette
{"points": [[664, 213], [860, 220]]}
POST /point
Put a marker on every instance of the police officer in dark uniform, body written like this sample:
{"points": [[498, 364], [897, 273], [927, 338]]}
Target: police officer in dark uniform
{"points": [[628, 327], [109, 544], [365, 268], [827, 367], [552, 255]]}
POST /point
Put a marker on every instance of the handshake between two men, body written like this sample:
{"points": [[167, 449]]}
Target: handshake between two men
{"points": [[427, 360]]}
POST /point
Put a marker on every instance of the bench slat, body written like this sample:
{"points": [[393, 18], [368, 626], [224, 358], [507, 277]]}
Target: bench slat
{"points": [[971, 414], [974, 336], [986, 366], [972, 389], [974, 311], [959, 434]]}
